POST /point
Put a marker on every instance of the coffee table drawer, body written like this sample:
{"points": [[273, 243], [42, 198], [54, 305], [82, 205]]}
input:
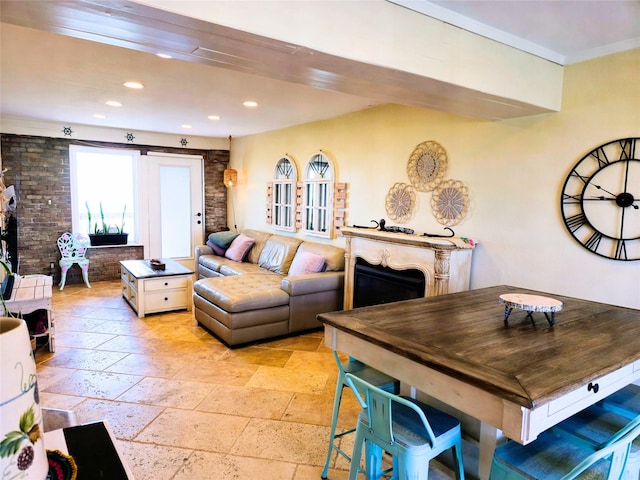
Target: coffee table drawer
{"points": [[163, 301], [166, 283]]}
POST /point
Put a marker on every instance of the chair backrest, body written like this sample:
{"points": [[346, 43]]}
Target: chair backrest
{"points": [[617, 448], [73, 245], [378, 405]]}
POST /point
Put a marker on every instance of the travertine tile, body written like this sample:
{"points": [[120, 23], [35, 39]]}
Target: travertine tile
{"points": [[288, 380], [94, 384], [285, 441], [149, 365], [213, 466], [49, 375], [73, 339], [258, 356], [246, 402], [84, 359], [303, 343], [195, 430], [307, 472], [221, 373], [157, 462], [167, 393], [126, 419], [60, 402]]}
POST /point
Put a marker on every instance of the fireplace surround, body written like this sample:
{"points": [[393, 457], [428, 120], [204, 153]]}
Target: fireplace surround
{"points": [[444, 262]]}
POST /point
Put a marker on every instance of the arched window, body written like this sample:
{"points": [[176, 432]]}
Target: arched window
{"points": [[317, 212], [284, 194]]}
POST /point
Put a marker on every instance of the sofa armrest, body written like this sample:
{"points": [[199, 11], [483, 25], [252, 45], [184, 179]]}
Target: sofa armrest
{"points": [[312, 283], [203, 250]]}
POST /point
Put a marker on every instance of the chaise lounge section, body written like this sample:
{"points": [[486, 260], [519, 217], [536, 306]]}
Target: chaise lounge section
{"points": [[274, 289]]}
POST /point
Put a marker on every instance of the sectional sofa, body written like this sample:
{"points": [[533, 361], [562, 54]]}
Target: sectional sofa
{"points": [[265, 285]]}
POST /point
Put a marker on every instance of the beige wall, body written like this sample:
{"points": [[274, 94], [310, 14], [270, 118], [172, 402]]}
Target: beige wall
{"points": [[514, 169]]}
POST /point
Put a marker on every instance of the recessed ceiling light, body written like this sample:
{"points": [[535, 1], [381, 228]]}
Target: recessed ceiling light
{"points": [[213, 117], [134, 85], [113, 103], [250, 104], [163, 55], [99, 115], [186, 125]]}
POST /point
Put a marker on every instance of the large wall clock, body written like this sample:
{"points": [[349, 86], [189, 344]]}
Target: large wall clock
{"points": [[601, 200]]}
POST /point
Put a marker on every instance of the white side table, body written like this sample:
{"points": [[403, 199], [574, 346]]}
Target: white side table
{"points": [[31, 293]]}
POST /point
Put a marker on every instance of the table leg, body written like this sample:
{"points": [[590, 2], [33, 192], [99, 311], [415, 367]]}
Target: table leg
{"points": [[490, 437], [507, 312], [551, 320]]}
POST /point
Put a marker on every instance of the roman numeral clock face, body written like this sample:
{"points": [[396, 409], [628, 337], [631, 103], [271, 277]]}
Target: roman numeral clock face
{"points": [[601, 200]]}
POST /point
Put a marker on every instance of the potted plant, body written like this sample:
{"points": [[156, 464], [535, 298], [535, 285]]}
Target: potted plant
{"points": [[105, 234]]}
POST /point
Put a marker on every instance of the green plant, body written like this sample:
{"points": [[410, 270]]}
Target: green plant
{"points": [[121, 227], [105, 226], [86, 203]]}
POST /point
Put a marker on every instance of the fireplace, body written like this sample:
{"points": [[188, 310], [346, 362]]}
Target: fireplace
{"points": [[375, 284], [441, 265]]}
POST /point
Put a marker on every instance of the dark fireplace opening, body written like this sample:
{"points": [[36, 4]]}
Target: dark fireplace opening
{"points": [[375, 284]]}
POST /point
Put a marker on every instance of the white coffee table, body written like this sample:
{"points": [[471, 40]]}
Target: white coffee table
{"points": [[154, 291]]}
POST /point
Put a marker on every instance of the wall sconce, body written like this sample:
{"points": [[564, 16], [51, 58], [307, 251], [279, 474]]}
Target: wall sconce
{"points": [[230, 177]]}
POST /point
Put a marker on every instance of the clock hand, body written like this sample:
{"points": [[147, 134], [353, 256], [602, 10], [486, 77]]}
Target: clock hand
{"points": [[604, 190]]}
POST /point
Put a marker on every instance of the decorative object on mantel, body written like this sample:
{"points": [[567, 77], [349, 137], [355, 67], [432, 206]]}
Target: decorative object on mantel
{"points": [[435, 235], [394, 229], [450, 202], [600, 200], [67, 131], [400, 202], [184, 142], [427, 166], [129, 137], [530, 304]]}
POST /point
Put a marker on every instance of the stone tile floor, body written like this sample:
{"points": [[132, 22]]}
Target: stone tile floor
{"points": [[182, 405]]}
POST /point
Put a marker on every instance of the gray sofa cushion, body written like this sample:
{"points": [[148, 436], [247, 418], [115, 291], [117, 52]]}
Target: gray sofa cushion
{"points": [[278, 253], [241, 293]]}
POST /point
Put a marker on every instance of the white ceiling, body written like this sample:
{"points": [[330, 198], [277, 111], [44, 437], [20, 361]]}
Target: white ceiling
{"points": [[62, 78]]}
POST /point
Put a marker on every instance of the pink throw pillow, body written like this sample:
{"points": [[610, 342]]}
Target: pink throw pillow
{"points": [[305, 263], [239, 248]]}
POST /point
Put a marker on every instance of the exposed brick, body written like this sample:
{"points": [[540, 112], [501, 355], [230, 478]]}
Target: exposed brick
{"points": [[38, 167]]}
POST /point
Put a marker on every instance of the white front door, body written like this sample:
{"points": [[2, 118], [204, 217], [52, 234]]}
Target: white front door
{"points": [[176, 206]]}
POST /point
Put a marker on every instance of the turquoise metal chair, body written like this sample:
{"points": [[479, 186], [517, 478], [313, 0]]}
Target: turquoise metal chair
{"points": [[412, 432], [593, 427], [372, 376], [553, 456], [624, 402]]}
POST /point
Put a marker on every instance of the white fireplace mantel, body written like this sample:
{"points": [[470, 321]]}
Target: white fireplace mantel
{"points": [[445, 262]]}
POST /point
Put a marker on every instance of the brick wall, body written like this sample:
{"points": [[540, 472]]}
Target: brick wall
{"points": [[38, 167]]}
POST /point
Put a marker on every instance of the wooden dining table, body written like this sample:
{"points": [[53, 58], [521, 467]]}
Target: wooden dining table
{"points": [[518, 378]]}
